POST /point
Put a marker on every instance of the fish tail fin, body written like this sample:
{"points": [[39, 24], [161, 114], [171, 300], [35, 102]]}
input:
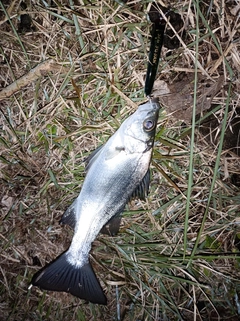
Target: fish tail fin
{"points": [[60, 275]]}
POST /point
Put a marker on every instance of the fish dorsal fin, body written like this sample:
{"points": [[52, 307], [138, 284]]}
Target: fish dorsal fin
{"points": [[142, 189], [69, 216], [92, 157]]}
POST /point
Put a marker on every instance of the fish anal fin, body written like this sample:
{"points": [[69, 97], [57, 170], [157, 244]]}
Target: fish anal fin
{"points": [[69, 216], [142, 189], [112, 227], [62, 276]]}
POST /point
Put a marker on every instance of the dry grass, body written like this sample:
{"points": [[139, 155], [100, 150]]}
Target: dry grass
{"points": [[177, 255]]}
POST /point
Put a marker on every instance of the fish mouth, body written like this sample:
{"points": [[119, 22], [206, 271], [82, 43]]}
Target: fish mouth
{"points": [[154, 100], [153, 112], [151, 100], [152, 107]]}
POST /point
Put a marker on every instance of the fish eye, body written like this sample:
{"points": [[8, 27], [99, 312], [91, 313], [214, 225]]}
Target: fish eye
{"points": [[148, 124]]}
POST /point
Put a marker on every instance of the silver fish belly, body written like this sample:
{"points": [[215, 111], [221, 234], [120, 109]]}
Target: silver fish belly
{"points": [[116, 172]]}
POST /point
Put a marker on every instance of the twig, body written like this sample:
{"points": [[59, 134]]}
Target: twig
{"points": [[42, 69]]}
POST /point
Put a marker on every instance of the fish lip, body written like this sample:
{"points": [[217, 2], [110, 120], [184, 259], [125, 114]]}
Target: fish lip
{"points": [[154, 110], [154, 100], [152, 106]]}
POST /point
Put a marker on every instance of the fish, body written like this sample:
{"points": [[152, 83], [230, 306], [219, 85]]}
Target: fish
{"points": [[116, 172]]}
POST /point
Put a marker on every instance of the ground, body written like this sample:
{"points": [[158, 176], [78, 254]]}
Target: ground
{"points": [[71, 72]]}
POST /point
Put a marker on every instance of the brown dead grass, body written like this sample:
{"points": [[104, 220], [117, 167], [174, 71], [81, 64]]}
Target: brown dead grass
{"points": [[53, 118]]}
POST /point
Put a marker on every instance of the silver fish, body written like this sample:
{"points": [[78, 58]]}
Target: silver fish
{"points": [[116, 172]]}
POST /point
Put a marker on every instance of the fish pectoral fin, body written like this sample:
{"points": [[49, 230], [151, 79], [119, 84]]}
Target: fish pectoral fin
{"points": [[62, 276], [69, 216], [142, 189], [113, 152]]}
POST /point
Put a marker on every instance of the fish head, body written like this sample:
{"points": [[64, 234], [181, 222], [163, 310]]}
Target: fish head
{"points": [[139, 129]]}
